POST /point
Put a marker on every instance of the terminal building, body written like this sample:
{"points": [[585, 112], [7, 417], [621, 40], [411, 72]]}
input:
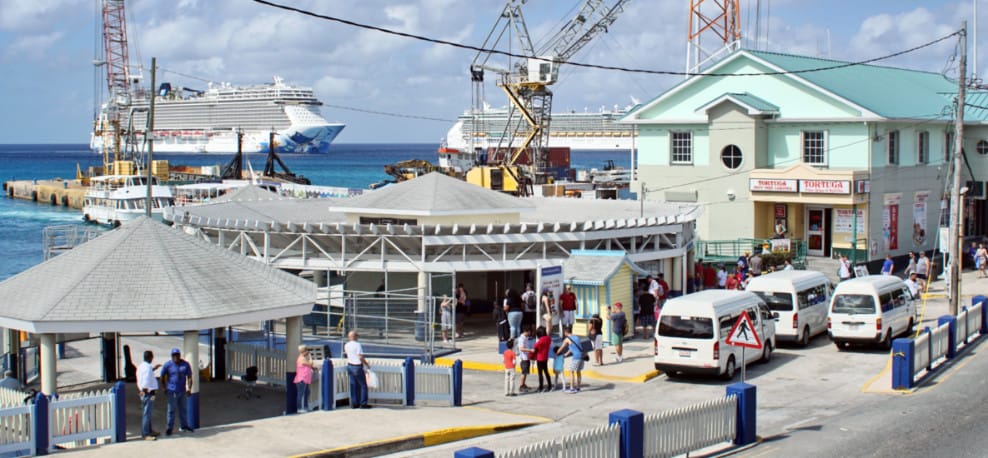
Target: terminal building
{"points": [[848, 157], [424, 236]]}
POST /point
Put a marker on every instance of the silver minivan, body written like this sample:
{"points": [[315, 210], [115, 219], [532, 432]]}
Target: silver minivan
{"points": [[872, 309]]}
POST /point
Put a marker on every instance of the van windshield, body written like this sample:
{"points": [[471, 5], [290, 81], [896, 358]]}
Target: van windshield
{"points": [[691, 327], [779, 302], [854, 304]]}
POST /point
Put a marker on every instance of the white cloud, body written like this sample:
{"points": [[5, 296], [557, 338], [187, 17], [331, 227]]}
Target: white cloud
{"points": [[32, 14], [32, 47]]}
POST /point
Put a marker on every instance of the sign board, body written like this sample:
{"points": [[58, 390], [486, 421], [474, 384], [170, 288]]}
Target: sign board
{"points": [[825, 186], [767, 185], [743, 334], [548, 278]]}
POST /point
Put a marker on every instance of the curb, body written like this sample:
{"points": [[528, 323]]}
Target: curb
{"points": [[414, 441], [590, 374]]}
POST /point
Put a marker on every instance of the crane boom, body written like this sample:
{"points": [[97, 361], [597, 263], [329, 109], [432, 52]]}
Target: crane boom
{"points": [[595, 17], [115, 47]]}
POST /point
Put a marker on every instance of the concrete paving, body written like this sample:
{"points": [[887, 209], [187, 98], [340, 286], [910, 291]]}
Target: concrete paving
{"points": [[798, 389]]}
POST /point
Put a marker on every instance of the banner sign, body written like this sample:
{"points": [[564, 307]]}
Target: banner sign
{"points": [[844, 219], [825, 186], [759, 184]]}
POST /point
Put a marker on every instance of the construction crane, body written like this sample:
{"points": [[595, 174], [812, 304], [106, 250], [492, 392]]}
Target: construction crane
{"points": [[116, 61], [526, 83]]}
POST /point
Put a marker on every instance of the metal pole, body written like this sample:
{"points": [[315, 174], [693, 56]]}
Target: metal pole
{"points": [[955, 192], [742, 364], [854, 234], [150, 136], [642, 202]]}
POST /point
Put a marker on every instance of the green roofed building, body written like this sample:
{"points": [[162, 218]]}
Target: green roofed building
{"points": [[821, 150]]}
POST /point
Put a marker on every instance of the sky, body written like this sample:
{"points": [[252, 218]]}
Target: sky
{"points": [[47, 48]]}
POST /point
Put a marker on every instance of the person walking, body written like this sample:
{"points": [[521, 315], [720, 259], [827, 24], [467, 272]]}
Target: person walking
{"points": [[567, 302], [514, 307], [178, 384], [509, 369], [911, 267], [981, 260], [922, 270], [304, 368], [844, 268], [524, 345], [647, 302], [619, 327], [541, 348], [462, 305], [597, 337], [355, 364], [446, 317], [147, 388], [888, 266], [573, 344], [755, 263]]}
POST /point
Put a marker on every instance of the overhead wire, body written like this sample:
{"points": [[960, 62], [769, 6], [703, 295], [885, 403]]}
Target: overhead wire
{"points": [[595, 66]]}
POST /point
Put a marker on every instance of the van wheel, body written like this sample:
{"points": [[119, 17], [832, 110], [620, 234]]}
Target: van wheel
{"points": [[805, 340], [887, 341], [730, 370], [839, 345], [672, 374], [767, 352]]}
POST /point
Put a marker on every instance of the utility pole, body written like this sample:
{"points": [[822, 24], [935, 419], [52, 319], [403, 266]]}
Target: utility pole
{"points": [[150, 137], [955, 189]]}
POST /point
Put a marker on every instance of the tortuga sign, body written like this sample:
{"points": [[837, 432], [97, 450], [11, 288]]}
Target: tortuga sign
{"points": [[767, 185], [825, 186]]}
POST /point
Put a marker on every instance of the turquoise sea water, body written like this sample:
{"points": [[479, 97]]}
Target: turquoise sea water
{"points": [[347, 165]]}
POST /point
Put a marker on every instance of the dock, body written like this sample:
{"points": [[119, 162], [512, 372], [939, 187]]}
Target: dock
{"points": [[56, 192]]}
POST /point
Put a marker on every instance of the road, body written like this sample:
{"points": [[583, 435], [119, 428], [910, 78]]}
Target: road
{"points": [[944, 418]]}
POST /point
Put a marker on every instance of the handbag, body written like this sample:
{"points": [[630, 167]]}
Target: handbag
{"points": [[371, 377]]}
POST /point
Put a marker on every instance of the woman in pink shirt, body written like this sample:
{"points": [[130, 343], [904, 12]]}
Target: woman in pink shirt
{"points": [[303, 378]]}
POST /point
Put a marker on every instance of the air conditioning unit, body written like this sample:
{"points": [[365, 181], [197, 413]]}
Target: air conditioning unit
{"points": [[975, 189]]}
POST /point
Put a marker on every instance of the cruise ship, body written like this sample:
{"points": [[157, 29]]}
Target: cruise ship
{"points": [[191, 121], [574, 130]]}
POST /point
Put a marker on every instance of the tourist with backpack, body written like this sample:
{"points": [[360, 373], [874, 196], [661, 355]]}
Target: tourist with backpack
{"points": [[576, 347], [619, 327]]}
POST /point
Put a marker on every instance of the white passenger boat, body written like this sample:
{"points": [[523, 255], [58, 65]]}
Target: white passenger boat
{"points": [[117, 199]]}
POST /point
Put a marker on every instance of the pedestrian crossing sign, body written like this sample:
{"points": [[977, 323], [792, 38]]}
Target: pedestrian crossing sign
{"points": [[743, 334]]}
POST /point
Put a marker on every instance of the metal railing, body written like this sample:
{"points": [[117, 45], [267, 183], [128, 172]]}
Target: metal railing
{"points": [[972, 323], [271, 363], [600, 442], [403, 381], [730, 250], [80, 419], [433, 383], [922, 356], [914, 359], [679, 431], [939, 343]]}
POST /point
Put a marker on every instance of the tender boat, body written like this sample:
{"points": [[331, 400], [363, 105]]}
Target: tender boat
{"points": [[118, 199]]}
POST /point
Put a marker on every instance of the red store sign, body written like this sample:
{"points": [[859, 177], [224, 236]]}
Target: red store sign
{"points": [[759, 184], [825, 186]]}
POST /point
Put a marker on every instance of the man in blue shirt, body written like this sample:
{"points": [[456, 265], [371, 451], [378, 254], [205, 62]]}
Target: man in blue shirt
{"points": [[888, 265], [178, 383]]}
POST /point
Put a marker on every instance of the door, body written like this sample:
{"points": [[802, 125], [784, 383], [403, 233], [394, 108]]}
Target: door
{"points": [[815, 231]]}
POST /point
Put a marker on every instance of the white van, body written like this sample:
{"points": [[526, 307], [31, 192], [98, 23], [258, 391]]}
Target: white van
{"points": [[872, 309], [692, 329], [801, 298]]}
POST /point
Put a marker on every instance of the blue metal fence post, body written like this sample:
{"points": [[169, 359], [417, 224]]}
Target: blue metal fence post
{"points": [[120, 411], [747, 404], [473, 452], [40, 424], [632, 423], [903, 363], [408, 373], [984, 311], [951, 334], [327, 392], [291, 394], [457, 383]]}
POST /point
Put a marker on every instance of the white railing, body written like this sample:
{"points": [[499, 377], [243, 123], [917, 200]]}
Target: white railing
{"points": [[679, 431], [921, 354], [16, 430], [973, 323], [962, 328], [75, 419], [600, 442], [13, 398], [271, 363], [341, 381], [390, 381], [239, 357], [433, 383], [939, 344]]}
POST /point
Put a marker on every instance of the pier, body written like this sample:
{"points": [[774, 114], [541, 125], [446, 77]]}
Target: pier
{"points": [[57, 192]]}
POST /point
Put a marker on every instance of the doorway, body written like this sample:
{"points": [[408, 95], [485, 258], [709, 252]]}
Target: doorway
{"points": [[818, 231]]}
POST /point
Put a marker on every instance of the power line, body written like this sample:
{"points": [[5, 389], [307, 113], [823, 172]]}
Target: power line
{"points": [[586, 65], [394, 115]]}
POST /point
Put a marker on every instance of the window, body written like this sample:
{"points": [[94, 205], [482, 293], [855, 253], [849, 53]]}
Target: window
{"points": [[948, 145], [854, 304], [923, 148], [982, 147], [731, 156], [893, 145], [682, 148], [688, 327], [815, 147], [780, 302]]}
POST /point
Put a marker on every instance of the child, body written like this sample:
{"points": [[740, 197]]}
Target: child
{"points": [[597, 336], [558, 366], [509, 369], [525, 356]]}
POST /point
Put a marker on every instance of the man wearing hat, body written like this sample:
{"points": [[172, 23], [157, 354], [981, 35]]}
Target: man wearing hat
{"points": [[178, 383]]}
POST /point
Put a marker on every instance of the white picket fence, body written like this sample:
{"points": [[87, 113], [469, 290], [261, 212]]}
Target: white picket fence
{"points": [[80, 419], [969, 324], [16, 429], [600, 442], [12, 398], [390, 379], [271, 363], [433, 383], [679, 431]]}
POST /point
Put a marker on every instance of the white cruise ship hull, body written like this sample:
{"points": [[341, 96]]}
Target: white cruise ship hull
{"points": [[576, 131]]}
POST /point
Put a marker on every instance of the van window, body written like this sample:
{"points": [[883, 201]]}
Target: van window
{"points": [[854, 303], [780, 302], [691, 327], [902, 297], [888, 302], [727, 324], [812, 296]]}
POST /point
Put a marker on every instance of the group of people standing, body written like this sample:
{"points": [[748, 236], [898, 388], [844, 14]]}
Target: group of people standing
{"points": [[176, 376], [525, 349], [708, 276]]}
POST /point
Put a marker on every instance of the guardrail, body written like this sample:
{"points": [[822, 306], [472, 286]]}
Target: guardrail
{"points": [[631, 433], [405, 382], [270, 363], [916, 359], [690, 428]]}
